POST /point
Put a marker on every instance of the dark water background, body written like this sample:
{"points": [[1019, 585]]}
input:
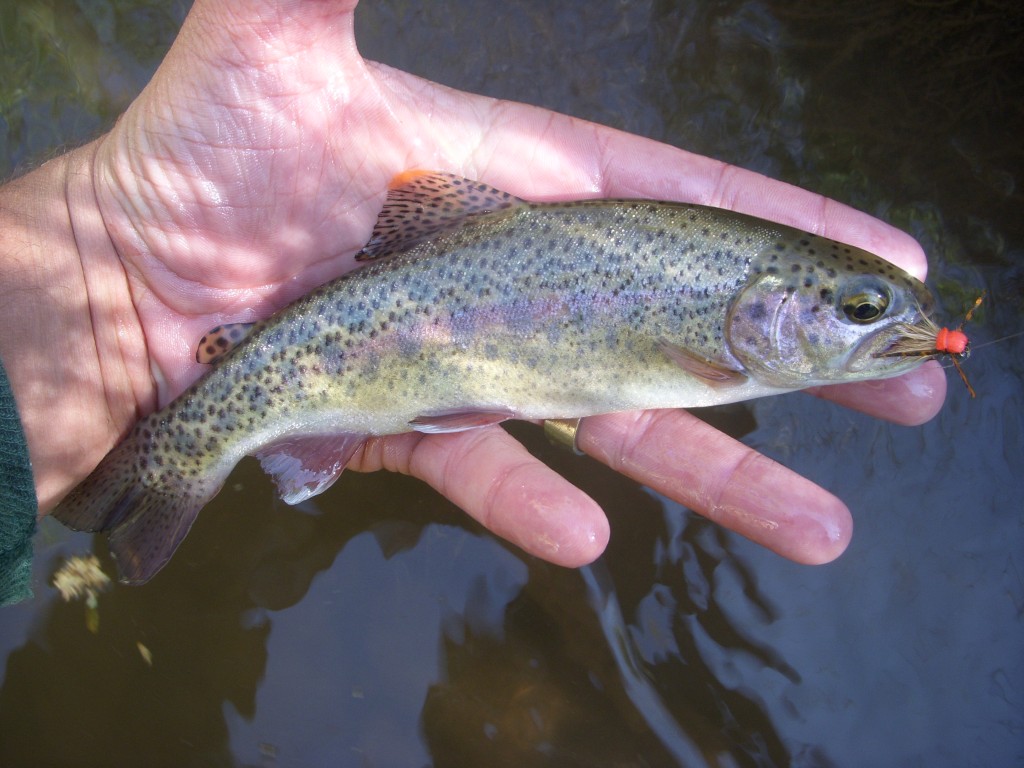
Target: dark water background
{"points": [[387, 630]]}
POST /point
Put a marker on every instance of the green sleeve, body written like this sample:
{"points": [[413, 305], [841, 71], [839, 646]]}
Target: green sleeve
{"points": [[18, 504]]}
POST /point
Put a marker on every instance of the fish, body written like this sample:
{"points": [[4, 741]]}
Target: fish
{"points": [[472, 306]]}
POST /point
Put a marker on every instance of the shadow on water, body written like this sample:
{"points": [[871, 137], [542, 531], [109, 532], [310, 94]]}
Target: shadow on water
{"points": [[379, 627], [387, 619]]}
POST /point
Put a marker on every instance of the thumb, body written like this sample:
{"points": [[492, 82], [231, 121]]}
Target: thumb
{"points": [[258, 33]]}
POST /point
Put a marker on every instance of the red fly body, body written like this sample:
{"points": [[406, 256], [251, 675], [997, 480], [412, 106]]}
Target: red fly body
{"points": [[925, 339], [956, 344]]}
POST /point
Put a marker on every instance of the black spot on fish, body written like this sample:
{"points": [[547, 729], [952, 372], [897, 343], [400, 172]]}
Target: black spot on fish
{"points": [[757, 311]]}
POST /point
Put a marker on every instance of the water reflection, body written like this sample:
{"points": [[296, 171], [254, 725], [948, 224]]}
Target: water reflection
{"points": [[108, 704], [381, 625], [71, 68], [623, 666], [697, 623]]}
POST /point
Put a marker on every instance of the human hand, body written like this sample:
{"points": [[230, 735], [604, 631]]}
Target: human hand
{"points": [[252, 168]]}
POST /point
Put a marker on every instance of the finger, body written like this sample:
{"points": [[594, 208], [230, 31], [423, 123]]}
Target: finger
{"points": [[659, 169], [910, 399], [576, 158], [687, 460], [496, 481]]}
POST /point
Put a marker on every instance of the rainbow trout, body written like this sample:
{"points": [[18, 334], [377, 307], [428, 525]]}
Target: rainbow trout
{"points": [[474, 307]]}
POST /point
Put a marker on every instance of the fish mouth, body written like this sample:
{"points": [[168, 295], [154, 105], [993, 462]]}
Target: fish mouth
{"points": [[916, 340], [897, 347]]}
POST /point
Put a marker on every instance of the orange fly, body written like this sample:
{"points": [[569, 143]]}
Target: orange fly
{"points": [[956, 344], [925, 339]]}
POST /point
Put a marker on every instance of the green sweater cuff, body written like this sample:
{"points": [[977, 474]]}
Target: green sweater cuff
{"points": [[18, 505]]}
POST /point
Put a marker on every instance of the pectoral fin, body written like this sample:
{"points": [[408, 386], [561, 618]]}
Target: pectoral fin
{"points": [[712, 373]]}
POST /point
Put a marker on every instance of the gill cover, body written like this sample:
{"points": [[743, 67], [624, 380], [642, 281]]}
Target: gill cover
{"points": [[788, 335]]}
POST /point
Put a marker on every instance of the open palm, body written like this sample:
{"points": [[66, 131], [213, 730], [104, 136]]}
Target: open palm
{"points": [[253, 167]]}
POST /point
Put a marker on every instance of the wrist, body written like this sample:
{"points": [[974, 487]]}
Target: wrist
{"points": [[69, 334]]}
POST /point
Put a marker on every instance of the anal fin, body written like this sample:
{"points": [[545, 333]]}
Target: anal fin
{"points": [[302, 467]]}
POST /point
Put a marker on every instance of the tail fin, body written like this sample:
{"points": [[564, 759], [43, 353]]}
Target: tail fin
{"points": [[147, 510]]}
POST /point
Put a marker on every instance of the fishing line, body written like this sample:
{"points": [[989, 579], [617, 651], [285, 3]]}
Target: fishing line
{"points": [[976, 347]]}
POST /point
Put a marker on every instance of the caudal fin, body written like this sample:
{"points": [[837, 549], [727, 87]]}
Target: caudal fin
{"points": [[147, 513]]}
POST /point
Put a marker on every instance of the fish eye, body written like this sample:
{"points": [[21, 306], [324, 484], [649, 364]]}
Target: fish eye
{"points": [[866, 305]]}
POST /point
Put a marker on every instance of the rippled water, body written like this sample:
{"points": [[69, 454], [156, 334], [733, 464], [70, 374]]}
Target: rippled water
{"points": [[386, 629]]}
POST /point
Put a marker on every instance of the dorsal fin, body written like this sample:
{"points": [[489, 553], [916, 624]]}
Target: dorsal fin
{"points": [[425, 203], [220, 340]]}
